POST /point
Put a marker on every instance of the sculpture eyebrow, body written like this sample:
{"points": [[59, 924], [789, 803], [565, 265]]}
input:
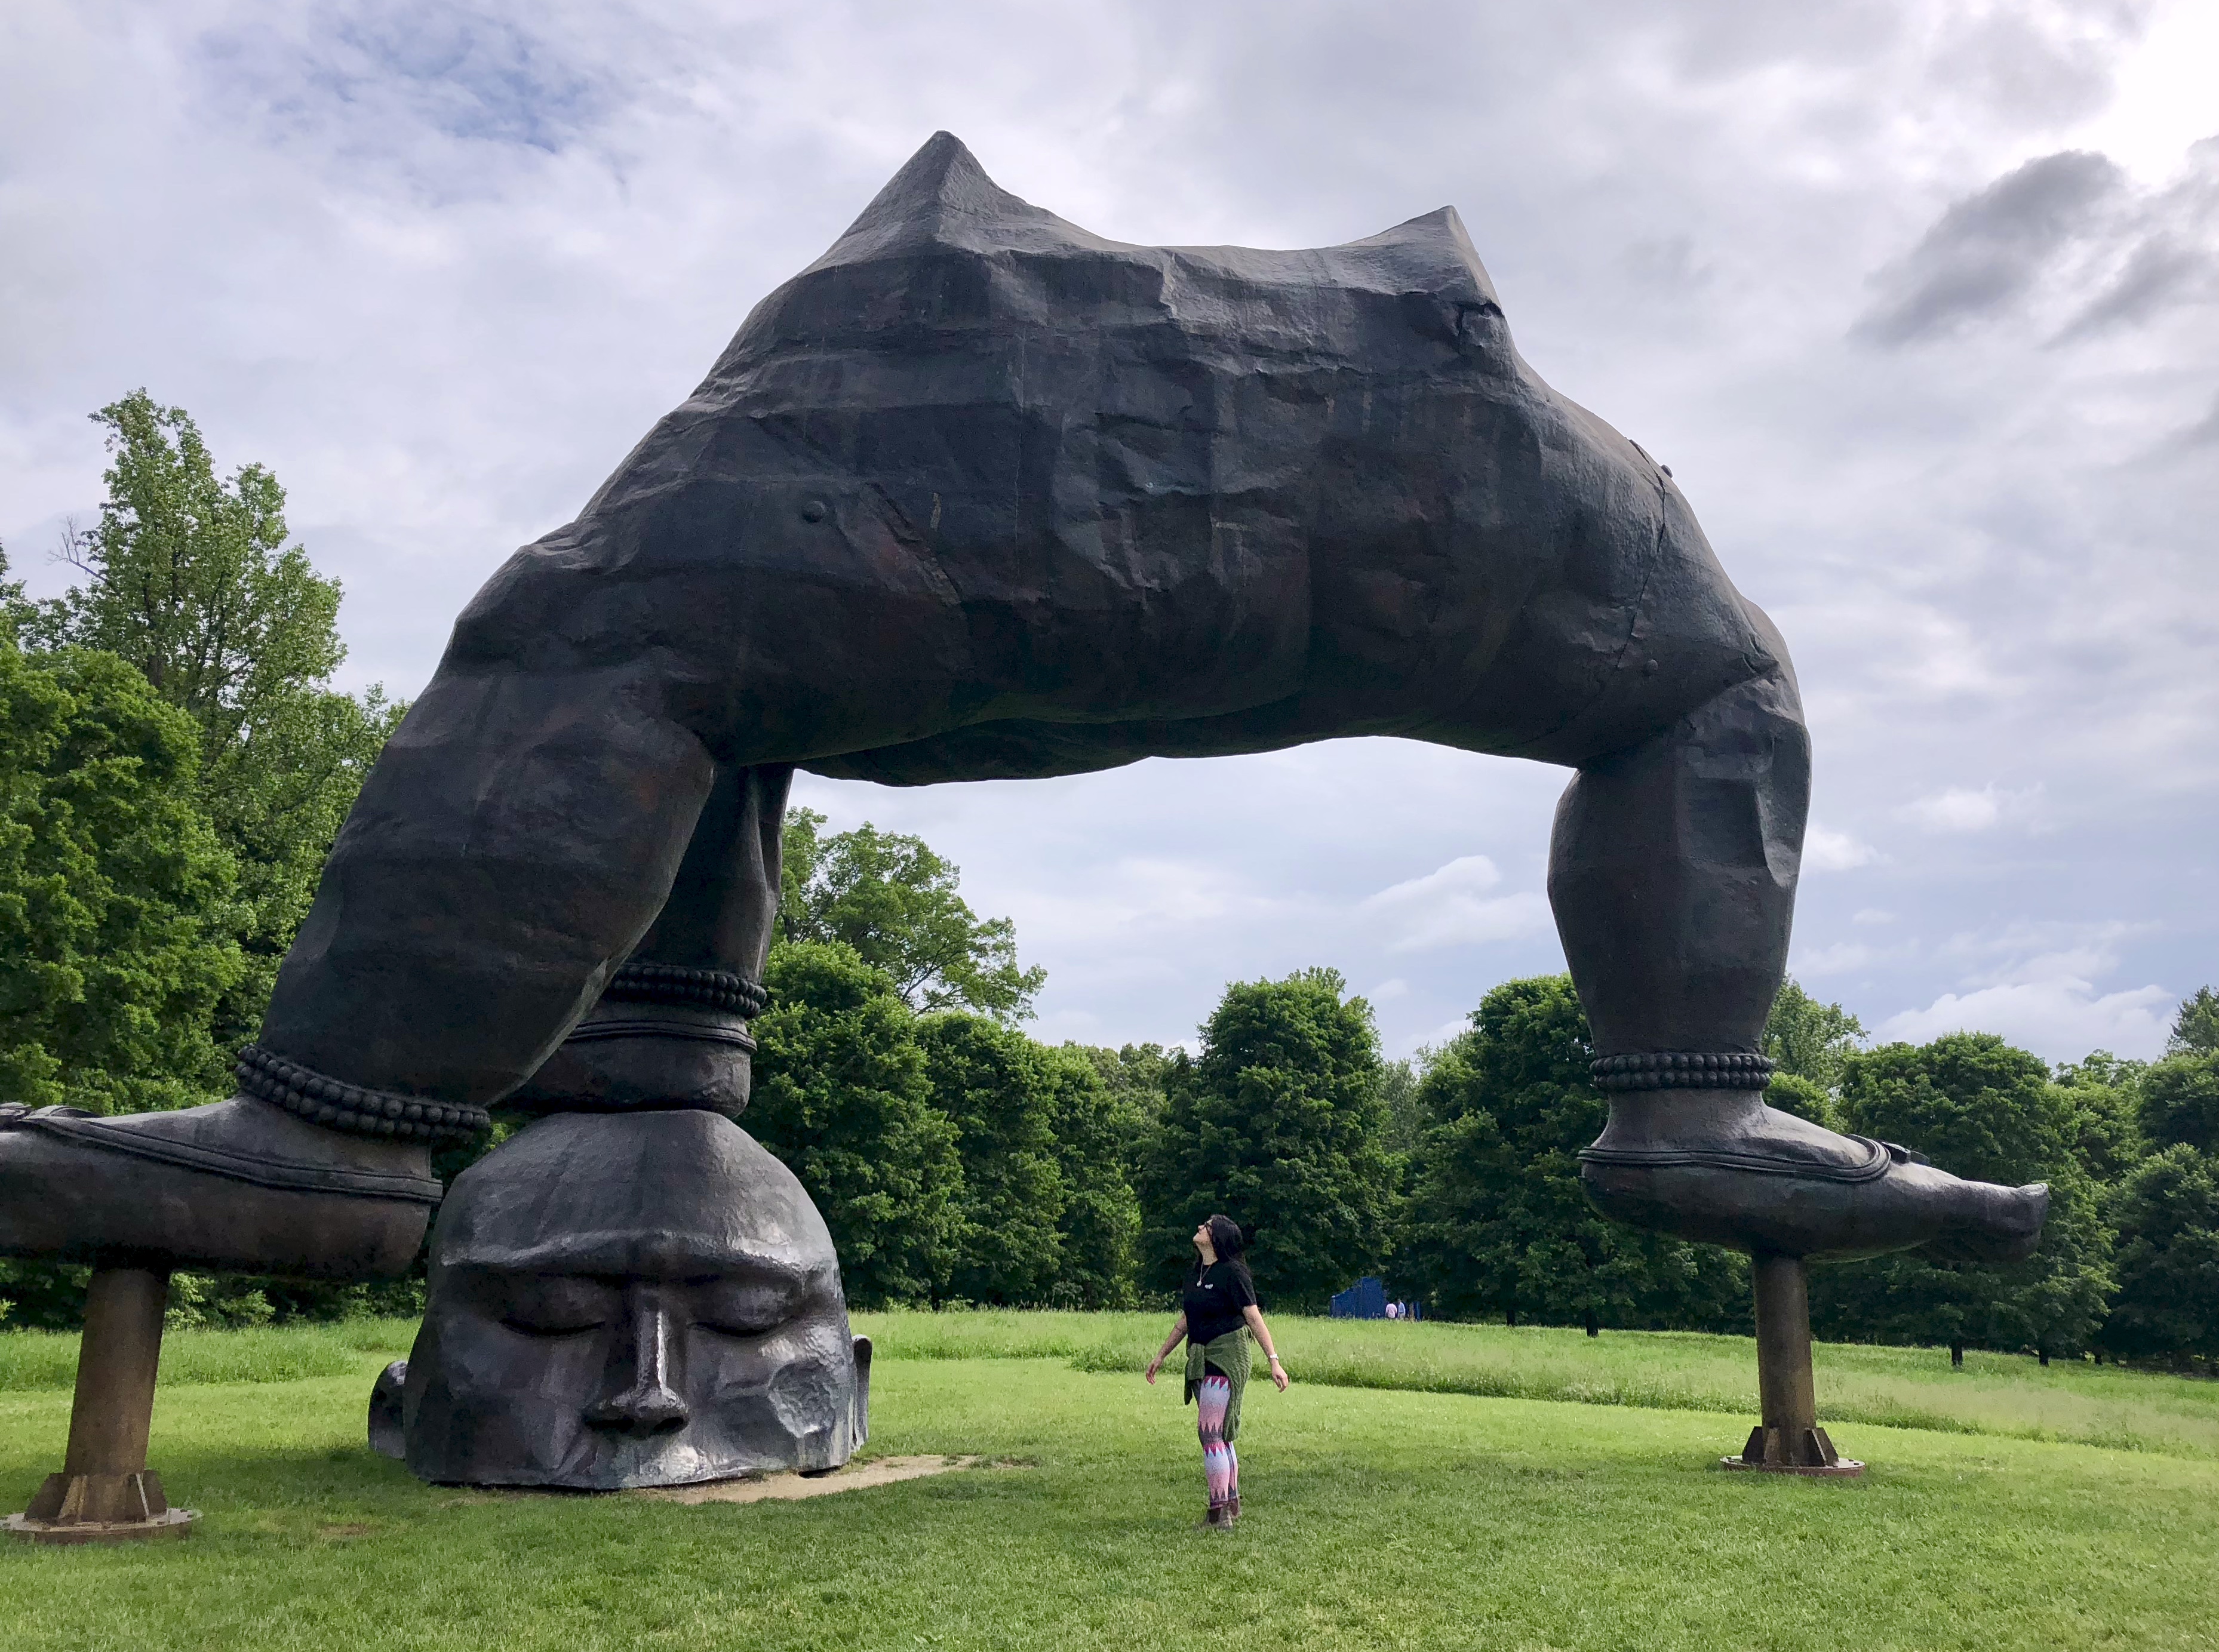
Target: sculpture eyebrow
{"points": [[669, 1257]]}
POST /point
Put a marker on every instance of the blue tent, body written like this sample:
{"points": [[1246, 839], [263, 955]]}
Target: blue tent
{"points": [[1367, 1300]]}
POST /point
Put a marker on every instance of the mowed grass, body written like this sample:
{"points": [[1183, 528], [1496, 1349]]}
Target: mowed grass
{"points": [[1374, 1519], [2007, 1395], [44, 1359]]}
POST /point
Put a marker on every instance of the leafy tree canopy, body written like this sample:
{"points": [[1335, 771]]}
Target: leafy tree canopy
{"points": [[2196, 1029], [116, 900], [1809, 1040], [1049, 1215], [1278, 1125], [189, 578], [2168, 1214], [894, 902], [841, 1096], [1096, 1130], [2180, 1102], [993, 1085]]}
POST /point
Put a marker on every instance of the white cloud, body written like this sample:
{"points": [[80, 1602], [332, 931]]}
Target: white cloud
{"points": [[1871, 914], [1450, 908], [1840, 959], [1829, 851], [2035, 984], [2060, 1018], [1960, 810], [1387, 991]]}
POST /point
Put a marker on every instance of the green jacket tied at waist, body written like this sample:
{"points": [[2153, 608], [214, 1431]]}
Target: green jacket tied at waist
{"points": [[1229, 1353]]}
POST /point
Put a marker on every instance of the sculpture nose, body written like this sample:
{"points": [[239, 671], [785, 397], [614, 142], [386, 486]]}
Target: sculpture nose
{"points": [[636, 1396]]}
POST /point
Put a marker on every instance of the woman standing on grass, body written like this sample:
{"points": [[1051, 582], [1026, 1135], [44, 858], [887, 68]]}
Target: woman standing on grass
{"points": [[1219, 1313]]}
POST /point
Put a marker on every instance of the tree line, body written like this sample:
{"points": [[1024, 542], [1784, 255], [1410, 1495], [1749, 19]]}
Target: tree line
{"points": [[175, 762]]}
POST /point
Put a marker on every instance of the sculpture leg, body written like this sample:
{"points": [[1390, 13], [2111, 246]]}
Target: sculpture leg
{"points": [[105, 1493], [1672, 871], [671, 1027], [1787, 1436]]}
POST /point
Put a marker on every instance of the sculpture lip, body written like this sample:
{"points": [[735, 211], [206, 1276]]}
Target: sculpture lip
{"points": [[1872, 1168]]}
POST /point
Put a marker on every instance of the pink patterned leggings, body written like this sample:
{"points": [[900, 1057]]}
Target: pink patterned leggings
{"points": [[1220, 1470]]}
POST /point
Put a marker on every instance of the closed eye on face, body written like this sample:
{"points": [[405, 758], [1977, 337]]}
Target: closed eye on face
{"points": [[552, 1305], [741, 1306]]}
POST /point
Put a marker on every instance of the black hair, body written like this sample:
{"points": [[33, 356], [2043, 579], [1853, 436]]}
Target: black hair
{"points": [[1225, 1239]]}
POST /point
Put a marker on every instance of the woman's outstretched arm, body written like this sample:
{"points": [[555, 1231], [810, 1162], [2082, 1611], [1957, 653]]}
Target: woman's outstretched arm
{"points": [[1178, 1333], [1254, 1315]]}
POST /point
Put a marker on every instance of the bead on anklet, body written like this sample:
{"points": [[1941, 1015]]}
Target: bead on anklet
{"points": [[1682, 1069], [353, 1108]]}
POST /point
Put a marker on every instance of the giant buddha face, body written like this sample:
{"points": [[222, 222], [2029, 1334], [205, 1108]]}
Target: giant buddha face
{"points": [[634, 1299]]}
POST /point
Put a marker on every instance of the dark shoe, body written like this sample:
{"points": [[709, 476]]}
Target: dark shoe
{"points": [[1214, 1521], [1719, 1166], [1232, 1509], [238, 1187]]}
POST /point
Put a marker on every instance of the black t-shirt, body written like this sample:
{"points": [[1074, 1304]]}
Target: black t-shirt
{"points": [[1214, 1297]]}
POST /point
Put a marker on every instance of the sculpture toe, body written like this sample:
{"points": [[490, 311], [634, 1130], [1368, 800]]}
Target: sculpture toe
{"points": [[237, 1186], [1992, 1224]]}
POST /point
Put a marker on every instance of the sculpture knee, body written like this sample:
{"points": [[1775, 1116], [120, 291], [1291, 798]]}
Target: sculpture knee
{"points": [[1673, 866]]}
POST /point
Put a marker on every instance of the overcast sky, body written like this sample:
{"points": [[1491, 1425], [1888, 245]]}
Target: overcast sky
{"points": [[1919, 302]]}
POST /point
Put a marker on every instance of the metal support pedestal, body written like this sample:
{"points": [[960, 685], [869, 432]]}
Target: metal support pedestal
{"points": [[1789, 1440], [105, 1492]]}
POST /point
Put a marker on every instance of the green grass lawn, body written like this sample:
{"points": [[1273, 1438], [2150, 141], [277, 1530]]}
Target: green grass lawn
{"points": [[1374, 1517], [2003, 1395]]}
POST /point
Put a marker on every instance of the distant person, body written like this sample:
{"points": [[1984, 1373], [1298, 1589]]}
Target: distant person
{"points": [[1218, 1315], [1393, 1312]]}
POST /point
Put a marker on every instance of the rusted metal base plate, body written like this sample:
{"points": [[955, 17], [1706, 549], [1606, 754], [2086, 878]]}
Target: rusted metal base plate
{"points": [[1841, 1468], [169, 1523]]}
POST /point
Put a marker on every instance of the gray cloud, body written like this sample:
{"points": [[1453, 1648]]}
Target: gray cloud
{"points": [[462, 71], [2068, 231], [1987, 250]]}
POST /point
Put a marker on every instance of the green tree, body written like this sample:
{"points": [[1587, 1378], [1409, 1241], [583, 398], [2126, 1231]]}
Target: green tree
{"points": [[991, 1083], [1399, 1093], [1094, 1132], [1049, 1217], [1498, 1223], [1137, 1078], [1280, 1125], [1980, 1108], [1808, 1041], [2180, 1102], [842, 1096], [117, 910], [2196, 1029], [189, 578], [2104, 1095], [895, 902], [2168, 1216]]}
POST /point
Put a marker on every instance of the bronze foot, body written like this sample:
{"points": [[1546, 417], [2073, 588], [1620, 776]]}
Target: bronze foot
{"points": [[1719, 1166], [239, 1186]]}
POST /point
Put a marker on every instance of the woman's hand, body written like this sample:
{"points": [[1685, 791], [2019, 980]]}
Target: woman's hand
{"points": [[1154, 1365], [1278, 1374]]}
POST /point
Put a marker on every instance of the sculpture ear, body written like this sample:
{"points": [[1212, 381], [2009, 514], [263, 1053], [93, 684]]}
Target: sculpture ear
{"points": [[862, 1389]]}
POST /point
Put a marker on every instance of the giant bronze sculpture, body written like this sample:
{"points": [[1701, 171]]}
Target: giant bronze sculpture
{"points": [[981, 494]]}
